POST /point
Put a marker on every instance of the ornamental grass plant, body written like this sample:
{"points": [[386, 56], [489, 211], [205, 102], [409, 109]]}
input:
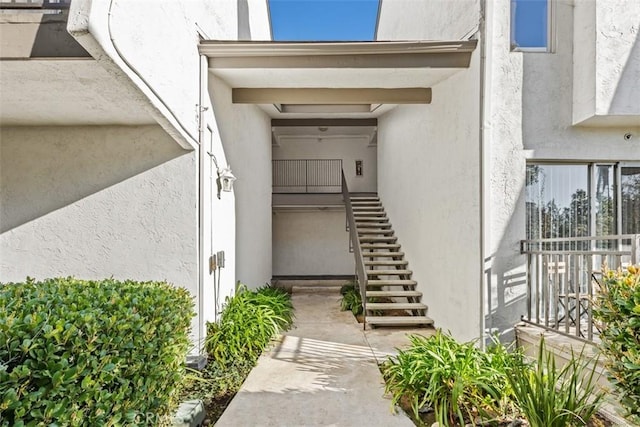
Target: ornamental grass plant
{"points": [[464, 385], [457, 380], [250, 320], [549, 396]]}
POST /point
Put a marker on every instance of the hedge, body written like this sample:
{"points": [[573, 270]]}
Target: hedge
{"points": [[617, 311], [76, 352]]}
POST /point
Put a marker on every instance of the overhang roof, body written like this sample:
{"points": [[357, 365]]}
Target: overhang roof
{"points": [[334, 72]]}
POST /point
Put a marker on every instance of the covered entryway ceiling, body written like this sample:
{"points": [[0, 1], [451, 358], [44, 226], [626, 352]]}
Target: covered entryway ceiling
{"points": [[341, 79]]}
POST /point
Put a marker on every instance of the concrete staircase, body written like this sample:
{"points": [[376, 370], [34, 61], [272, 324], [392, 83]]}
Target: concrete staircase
{"points": [[392, 299]]}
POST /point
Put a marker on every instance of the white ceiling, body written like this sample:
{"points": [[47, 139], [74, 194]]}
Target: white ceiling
{"points": [[387, 78], [65, 92], [313, 133]]}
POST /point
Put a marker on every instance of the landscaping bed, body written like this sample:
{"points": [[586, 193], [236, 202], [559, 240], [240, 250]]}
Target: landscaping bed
{"points": [[249, 321], [438, 379]]}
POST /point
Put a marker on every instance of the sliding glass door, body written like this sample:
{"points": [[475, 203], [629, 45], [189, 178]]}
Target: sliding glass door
{"points": [[575, 200], [630, 199]]}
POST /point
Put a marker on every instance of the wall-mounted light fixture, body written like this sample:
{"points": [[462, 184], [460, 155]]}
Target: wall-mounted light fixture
{"points": [[225, 177]]}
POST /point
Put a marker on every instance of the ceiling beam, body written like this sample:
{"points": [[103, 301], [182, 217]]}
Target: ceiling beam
{"points": [[324, 122], [303, 55], [331, 96]]}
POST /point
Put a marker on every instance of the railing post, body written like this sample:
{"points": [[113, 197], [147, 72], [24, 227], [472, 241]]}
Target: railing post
{"points": [[635, 245]]}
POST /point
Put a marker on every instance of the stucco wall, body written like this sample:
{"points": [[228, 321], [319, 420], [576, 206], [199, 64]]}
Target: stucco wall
{"points": [[607, 60], [159, 54], [151, 48], [529, 116], [428, 20], [245, 131], [96, 202], [347, 149], [428, 180], [311, 243]]}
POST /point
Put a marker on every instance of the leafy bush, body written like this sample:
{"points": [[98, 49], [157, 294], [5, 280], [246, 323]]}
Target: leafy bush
{"points": [[351, 299], [617, 310], [556, 398], [248, 322], [458, 380], [77, 352]]}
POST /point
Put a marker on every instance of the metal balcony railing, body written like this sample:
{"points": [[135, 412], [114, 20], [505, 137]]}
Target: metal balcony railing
{"points": [[307, 176], [564, 274]]}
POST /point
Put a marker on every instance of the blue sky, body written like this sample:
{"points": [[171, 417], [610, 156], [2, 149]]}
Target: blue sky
{"points": [[323, 20], [355, 20], [530, 29]]}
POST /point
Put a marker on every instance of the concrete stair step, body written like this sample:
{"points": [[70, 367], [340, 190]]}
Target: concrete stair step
{"points": [[368, 225], [375, 231], [382, 254], [315, 289], [396, 306], [368, 214], [392, 283], [399, 320], [388, 272], [367, 209], [385, 263], [371, 219], [364, 198], [394, 293], [377, 239], [380, 245]]}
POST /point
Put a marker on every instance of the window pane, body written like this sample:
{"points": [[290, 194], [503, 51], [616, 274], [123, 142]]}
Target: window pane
{"points": [[529, 21], [605, 201], [630, 188], [557, 201]]}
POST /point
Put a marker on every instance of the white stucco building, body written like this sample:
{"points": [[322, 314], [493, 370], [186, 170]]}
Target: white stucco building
{"points": [[112, 113]]}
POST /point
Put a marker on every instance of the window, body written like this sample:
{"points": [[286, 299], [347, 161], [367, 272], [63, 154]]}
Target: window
{"points": [[630, 195], [576, 200], [531, 25]]}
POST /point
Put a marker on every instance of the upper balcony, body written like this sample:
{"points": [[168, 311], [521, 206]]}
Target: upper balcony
{"points": [[37, 29], [606, 63]]}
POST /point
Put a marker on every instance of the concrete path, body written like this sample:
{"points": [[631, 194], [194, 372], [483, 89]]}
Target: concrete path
{"points": [[323, 373]]}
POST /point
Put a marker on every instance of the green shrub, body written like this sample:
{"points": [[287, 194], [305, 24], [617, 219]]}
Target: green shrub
{"points": [[248, 322], [617, 311], [458, 380], [351, 299], [549, 397], [75, 352]]}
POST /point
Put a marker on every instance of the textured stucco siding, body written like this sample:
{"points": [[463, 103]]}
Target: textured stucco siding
{"points": [[428, 180], [155, 45], [618, 57], [151, 48], [245, 132], [97, 202], [428, 20], [606, 62], [529, 116], [311, 243]]}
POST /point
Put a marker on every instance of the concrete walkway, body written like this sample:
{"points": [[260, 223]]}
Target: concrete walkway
{"points": [[323, 373]]}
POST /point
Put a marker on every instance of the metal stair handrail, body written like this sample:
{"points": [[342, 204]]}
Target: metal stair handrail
{"points": [[361, 272]]}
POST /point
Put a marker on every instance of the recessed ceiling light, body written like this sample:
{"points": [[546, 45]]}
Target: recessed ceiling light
{"points": [[323, 128]]}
